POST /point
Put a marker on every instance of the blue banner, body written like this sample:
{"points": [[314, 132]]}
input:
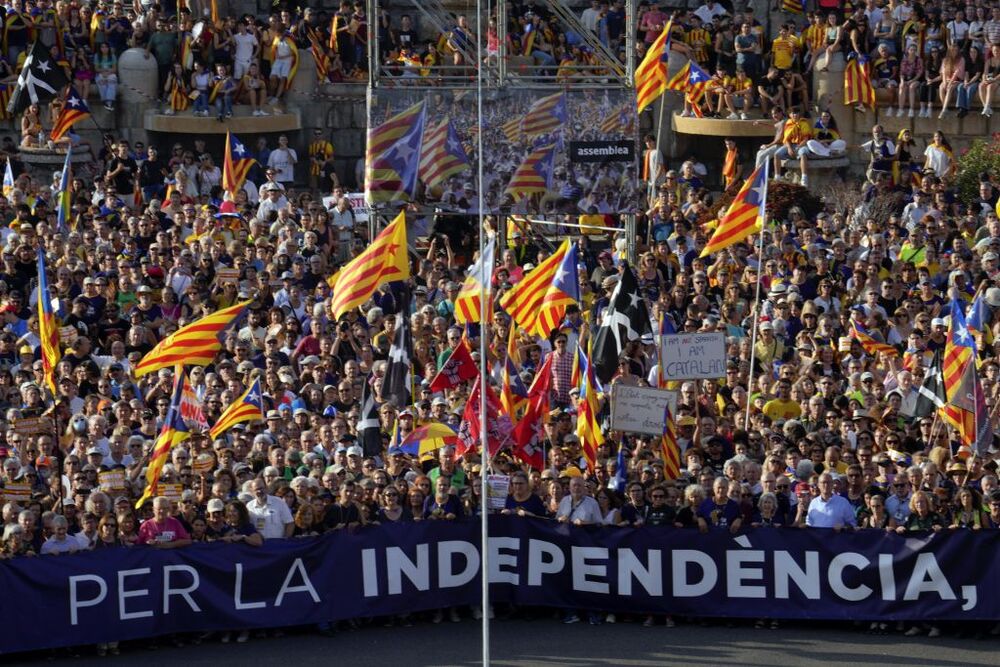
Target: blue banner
{"points": [[120, 594]]}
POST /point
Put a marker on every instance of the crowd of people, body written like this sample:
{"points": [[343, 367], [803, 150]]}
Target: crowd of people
{"points": [[809, 428]]}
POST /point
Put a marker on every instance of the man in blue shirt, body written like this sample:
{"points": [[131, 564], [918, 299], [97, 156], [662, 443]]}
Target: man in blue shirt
{"points": [[830, 510]]}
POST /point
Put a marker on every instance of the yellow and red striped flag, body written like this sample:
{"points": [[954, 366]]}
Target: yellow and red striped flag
{"points": [[546, 115], [745, 215], [442, 155], [534, 175], [858, 88], [794, 6], [671, 449], [870, 345], [651, 74], [174, 432], [513, 393], [392, 156], [538, 301], [195, 344], [48, 332], [384, 260], [467, 305], [512, 130], [587, 428], [236, 163], [247, 408]]}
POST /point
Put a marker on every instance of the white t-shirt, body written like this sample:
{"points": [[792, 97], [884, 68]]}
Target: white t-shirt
{"points": [[283, 160], [271, 518], [587, 510], [245, 44]]}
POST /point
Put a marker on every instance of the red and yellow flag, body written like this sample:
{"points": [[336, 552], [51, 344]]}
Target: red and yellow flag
{"points": [[744, 216], [174, 432], [48, 332], [651, 74], [383, 261], [193, 345]]}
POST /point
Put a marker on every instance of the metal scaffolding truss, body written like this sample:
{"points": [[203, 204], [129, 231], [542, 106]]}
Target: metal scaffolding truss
{"points": [[501, 67]]}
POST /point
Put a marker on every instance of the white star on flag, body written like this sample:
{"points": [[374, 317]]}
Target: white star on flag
{"points": [[44, 66], [238, 149], [253, 397], [73, 102]]}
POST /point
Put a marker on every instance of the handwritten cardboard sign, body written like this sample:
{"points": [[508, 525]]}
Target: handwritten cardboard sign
{"points": [[700, 356], [640, 409], [497, 488]]}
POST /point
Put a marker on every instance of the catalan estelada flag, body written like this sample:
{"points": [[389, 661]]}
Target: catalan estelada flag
{"points": [[467, 304], [392, 157], [978, 319], [546, 115], [383, 261], [745, 215], [73, 112], [64, 196], [679, 80], [48, 331], [691, 80], [587, 427], [247, 408], [538, 301], [513, 393], [651, 74], [174, 432], [195, 344], [616, 122], [534, 174], [236, 164], [794, 6], [442, 155], [870, 345], [512, 130], [966, 408], [858, 88]]}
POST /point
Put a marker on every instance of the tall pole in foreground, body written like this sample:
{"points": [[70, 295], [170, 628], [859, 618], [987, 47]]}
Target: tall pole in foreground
{"points": [[483, 360], [754, 315]]}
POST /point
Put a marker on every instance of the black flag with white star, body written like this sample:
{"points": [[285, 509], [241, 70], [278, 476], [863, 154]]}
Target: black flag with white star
{"points": [[931, 394], [41, 79], [626, 319], [398, 371]]}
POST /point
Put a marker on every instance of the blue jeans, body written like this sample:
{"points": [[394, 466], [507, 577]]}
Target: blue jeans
{"points": [[223, 104], [201, 102], [966, 92]]}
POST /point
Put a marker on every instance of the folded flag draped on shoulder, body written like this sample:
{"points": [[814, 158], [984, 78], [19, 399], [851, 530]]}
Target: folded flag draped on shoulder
{"points": [[870, 345], [48, 332], [858, 88], [247, 408], [745, 216], [651, 74], [427, 438], [195, 344], [64, 197], [73, 112], [174, 432], [527, 435], [459, 367], [398, 384], [383, 261], [538, 301], [236, 164], [534, 175], [392, 157], [546, 115], [467, 305], [442, 155], [626, 319], [587, 427]]}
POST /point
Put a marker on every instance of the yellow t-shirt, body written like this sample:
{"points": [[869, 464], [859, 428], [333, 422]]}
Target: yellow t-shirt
{"points": [[796, 132], [778, 409], [783, 49]]}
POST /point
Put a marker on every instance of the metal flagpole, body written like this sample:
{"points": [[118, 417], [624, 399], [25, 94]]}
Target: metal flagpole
{"points": [[483, 359], [755, 316]]}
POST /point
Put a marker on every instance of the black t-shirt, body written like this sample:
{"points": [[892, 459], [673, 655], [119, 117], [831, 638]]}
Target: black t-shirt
{"points": [[123, 180], [658, 516]]}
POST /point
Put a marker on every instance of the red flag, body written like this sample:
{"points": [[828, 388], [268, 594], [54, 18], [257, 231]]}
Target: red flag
{"points": [[458, 368], [528, 432], [498, 426]]}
